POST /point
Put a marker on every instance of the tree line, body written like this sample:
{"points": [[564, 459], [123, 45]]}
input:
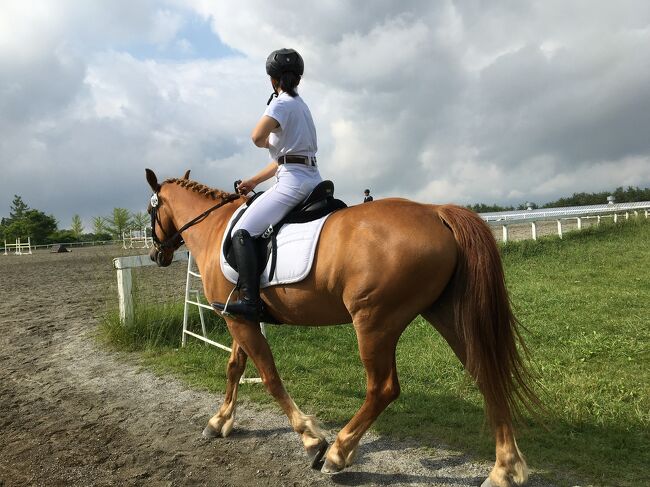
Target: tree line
{"points": [[24, 221], [620, 194]]}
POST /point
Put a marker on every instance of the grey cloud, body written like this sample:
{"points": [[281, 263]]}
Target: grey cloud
{"points": [[463, 101]]}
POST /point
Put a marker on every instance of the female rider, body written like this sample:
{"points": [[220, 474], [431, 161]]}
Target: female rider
{"points": [[287, 130]]}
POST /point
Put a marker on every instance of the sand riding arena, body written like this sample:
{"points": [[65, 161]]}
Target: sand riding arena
{"points": [[73, 413]]}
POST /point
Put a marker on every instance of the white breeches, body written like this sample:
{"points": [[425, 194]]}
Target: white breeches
{"points": [[292, 187]]}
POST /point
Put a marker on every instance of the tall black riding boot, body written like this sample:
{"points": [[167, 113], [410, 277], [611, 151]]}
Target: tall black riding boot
{"points": [[248, 306]]}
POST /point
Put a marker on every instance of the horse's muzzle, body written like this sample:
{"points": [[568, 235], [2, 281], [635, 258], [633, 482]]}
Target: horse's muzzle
{"points": [[162, 259]]}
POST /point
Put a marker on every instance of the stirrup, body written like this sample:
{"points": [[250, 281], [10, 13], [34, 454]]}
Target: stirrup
{"points": [[225, 306]]}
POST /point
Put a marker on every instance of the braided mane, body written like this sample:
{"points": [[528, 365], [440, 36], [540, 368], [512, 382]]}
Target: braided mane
{"points": [[202, 189]]}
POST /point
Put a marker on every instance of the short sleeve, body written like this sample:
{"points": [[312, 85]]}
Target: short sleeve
{"points": [[278, 110]]}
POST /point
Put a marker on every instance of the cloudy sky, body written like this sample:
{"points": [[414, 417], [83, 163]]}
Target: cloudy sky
{"points": [[472, 101]]}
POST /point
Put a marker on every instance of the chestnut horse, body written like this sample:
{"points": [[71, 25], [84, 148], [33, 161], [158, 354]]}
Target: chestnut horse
{"points": [[378, 266]]}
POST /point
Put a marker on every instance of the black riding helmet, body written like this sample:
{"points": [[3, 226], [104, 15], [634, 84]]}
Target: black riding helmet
{"points": [[284, 61]]}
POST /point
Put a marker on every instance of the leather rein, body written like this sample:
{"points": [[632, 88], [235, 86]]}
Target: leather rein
{"points": [[176, 240]]}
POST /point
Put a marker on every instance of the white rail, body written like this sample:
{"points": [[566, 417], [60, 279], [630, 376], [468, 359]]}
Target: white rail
{"points": [[138, 238], [123, 266], [194, 274], [573, 211], [19, 248], [560, 215]]}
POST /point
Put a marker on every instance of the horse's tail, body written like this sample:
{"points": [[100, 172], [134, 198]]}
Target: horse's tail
{"points": [[484, 321]]}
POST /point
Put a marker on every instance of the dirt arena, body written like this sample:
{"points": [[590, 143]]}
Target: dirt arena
{"points": [[75, 414]]}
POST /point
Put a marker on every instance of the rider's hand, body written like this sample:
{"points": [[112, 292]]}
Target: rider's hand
{"points": [[246, 186]]}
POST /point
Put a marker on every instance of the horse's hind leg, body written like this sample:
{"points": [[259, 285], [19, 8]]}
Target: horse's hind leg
{"points": [[510, 467], [377, 350], [249, 337], [222, 422]]}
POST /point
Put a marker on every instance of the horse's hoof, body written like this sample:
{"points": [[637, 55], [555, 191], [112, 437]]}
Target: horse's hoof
{"points": [[330, 468], [487, 483], [210, 433], [226, 429], [316, 454]]}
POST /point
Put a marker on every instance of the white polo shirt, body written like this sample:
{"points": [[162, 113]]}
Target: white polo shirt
{"points": [[296, 134]]}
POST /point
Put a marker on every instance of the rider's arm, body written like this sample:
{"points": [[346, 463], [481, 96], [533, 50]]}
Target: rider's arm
{"points": [[268, 172], [262, 131]]}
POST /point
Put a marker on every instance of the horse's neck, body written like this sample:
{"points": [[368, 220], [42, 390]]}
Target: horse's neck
{"points": [[203, 239]]}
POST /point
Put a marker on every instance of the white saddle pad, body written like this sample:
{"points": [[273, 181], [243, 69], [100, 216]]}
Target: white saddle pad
{"points": [[296, 250]]}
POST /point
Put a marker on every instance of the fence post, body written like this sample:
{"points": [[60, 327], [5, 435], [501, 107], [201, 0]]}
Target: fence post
{"points": [[505, 234], [559, 228], [579, 223], [124, 293], [533, 228]]}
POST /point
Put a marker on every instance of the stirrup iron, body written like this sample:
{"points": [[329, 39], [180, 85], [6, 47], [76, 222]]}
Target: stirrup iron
{"points": [[225, 306]]}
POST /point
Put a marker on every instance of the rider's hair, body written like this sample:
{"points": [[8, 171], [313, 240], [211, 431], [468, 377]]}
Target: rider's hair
{"points": [[288, 82]]}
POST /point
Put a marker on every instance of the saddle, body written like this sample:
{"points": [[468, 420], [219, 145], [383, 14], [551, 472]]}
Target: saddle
{"points": [[319, 203]]}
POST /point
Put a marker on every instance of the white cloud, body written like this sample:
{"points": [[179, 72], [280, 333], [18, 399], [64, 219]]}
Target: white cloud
{"points": [[438, 101]]}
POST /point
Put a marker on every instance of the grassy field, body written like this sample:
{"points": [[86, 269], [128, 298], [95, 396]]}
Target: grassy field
{"points": [[584, 302]]}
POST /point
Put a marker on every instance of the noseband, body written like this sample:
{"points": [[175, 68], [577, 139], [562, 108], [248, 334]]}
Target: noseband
{"points": [[176, 240]]}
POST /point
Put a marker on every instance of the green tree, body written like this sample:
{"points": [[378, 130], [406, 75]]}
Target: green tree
{"points": [[18, 209], [62, 236], [77, 227], [99, 225], [118, 222], [34, 224], [139, 220]]}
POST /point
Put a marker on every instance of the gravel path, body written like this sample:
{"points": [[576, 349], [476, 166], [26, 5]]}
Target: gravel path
{"points": [[74, 414]]}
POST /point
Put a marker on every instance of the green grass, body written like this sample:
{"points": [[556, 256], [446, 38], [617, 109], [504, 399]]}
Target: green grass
{"points": [[584, 303]]}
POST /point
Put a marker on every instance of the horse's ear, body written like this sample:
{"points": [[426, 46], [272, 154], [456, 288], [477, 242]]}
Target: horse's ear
{"points": [[152, 180], [187, 174]]}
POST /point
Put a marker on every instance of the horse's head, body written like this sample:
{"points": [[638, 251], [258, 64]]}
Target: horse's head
{"points": [[165, 235]]}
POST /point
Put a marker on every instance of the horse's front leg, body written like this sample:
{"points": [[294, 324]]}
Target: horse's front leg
{"points": [[222, 422], [250, 338]]}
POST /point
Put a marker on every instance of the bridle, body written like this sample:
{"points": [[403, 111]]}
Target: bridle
{"points": [[176, 240]]}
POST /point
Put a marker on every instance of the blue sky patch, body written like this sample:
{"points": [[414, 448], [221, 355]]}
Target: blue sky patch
{"points": [[195, 40]]}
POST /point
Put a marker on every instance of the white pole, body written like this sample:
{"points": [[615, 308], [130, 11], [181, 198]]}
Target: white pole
{"points": [[505, 234], [559, 228], [186, 310], [615, 217], [533, 228], [123, 265], [124, 293], [579, 223]]}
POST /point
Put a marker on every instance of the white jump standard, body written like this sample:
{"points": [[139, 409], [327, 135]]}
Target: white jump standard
{"points": [[19, 248]]}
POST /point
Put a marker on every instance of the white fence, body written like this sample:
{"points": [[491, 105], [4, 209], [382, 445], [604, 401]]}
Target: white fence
{"points": [[137, 239], [19, 248], [123, 266], [578, 214]]}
